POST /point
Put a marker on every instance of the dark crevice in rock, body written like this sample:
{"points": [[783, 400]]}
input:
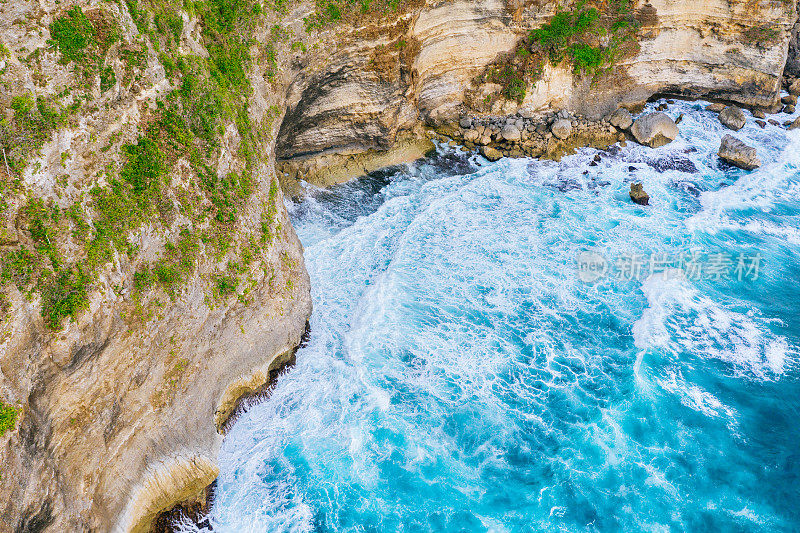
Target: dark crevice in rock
{"points": [[35, 522]]}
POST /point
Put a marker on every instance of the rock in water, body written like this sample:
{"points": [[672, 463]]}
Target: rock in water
{"points": [[511, 133], [492, 154], [715, 108], [621, 118], [796, 124], [794, 88], [561, 128], [733, 118], [638, 195], [654, 130], [737, 153]]}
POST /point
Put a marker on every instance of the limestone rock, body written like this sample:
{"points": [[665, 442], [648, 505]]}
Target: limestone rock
{"points": [[737, 153], [472, 135], [492, 154], [511, 133], [654, 130], [733, 117], [561, 128], [621, 118], [638, 195]]}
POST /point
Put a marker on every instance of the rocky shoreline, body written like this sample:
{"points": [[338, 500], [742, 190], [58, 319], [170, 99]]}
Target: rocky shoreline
{"points": [[555, 134]]}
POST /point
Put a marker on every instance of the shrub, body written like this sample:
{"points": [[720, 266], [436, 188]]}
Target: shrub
{"points": [[8, 417], [64, 295], [72, 34]]}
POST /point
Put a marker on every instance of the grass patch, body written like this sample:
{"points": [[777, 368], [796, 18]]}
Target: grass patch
{"points": [[8, 417]]}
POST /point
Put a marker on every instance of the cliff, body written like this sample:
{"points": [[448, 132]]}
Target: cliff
{"points": [[386, 80], [150, 274]]}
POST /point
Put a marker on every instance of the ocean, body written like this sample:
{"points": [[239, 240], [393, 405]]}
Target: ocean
{"points": [[516, 346]]}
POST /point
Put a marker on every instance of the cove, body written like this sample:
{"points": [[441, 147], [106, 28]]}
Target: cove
{"points": [[461, 376]]}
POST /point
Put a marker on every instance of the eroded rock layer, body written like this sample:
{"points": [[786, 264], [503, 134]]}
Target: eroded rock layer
{"points": [[436, 52]]}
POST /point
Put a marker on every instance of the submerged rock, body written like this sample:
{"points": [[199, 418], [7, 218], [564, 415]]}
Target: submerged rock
{"points": [[732, 117], [621, 118], [561, 128], [638, 195], [738, 154], [492, 154], [654, 130]]}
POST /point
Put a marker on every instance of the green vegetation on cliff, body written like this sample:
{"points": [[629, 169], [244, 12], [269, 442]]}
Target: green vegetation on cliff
{"points": [[588, 38], [8, 417], [193, 123]]}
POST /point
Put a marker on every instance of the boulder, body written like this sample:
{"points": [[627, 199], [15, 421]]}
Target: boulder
{"points": [[733, 117], [561, 128], [794, 88], [761, 124], [465, 122], [796, 124], [758, 113], [524, 112], [492, 154], [472, 135], [789, 109], [638, 195], [737, 153], [511, 133], [621, 118], [789, 100], [715, 108], [654, 130]]}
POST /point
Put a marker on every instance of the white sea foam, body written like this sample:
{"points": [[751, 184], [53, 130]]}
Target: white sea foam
{"points": [[457, 363], [681, 321]]}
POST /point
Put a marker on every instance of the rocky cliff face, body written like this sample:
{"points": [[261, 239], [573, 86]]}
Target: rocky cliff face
{"points": [[433, 59], [150, 275]]}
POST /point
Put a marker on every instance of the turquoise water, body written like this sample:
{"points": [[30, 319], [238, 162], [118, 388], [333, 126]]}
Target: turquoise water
{"points": [[461, 375]]}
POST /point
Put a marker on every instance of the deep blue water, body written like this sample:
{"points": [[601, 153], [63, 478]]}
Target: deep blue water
{"points": [[462, 376]]}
